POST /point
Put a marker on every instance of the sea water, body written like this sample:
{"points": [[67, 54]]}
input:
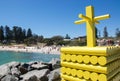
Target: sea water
{"points": [[8, 56]]}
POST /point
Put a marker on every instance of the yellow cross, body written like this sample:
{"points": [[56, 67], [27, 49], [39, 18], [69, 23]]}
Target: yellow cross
{"points": [[90, 24]]}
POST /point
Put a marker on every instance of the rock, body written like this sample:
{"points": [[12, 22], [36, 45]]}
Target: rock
{"points": [[49, 66], [4, 70], [55, 63], [13, 64], [32, 71], [1, 77], [39, 66], [40, 74], [24, 68], [32, 62], [43, 78], [54, 75], [27, 66], [33, 78], [9, 78], [15, 71]]}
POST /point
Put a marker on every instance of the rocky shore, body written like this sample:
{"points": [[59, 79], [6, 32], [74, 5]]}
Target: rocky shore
{"points": [[31, 71]]}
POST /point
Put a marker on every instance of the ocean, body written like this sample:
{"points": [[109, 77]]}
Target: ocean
{"points": [[8, 56]]}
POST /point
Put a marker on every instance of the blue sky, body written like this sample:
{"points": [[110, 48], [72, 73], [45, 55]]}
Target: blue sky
{"points": [[56, 17]]}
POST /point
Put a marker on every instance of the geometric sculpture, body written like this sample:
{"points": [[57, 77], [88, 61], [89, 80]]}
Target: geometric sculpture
{"points": [[90, 63], [90, 21]]}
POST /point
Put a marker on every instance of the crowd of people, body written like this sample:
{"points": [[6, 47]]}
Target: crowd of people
{"points": [[53, 49], [108, 42], [35, 49]]}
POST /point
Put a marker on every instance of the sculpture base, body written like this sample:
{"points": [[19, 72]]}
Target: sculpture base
{"points": [[90, 63]]}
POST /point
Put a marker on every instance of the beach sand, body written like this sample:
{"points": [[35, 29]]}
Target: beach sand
{"points": [[33, 49]]}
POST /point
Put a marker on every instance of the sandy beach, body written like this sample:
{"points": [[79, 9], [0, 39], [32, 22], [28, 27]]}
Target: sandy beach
{"points": [[45, 49]]}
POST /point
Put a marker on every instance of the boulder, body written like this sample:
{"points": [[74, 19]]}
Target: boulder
{"points": [[32, 62], [33, 78], [9, 78], [24, 68], [4, 70], [1, 77], [13, 64], [54, 75], [27, 66], [40, 74], [55, 63], [49, 65], [39, 66], [15, 71], [32, 71]]}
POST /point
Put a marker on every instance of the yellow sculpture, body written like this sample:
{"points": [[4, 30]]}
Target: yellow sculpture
{"points": [[90, 63], [90, 23]]}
